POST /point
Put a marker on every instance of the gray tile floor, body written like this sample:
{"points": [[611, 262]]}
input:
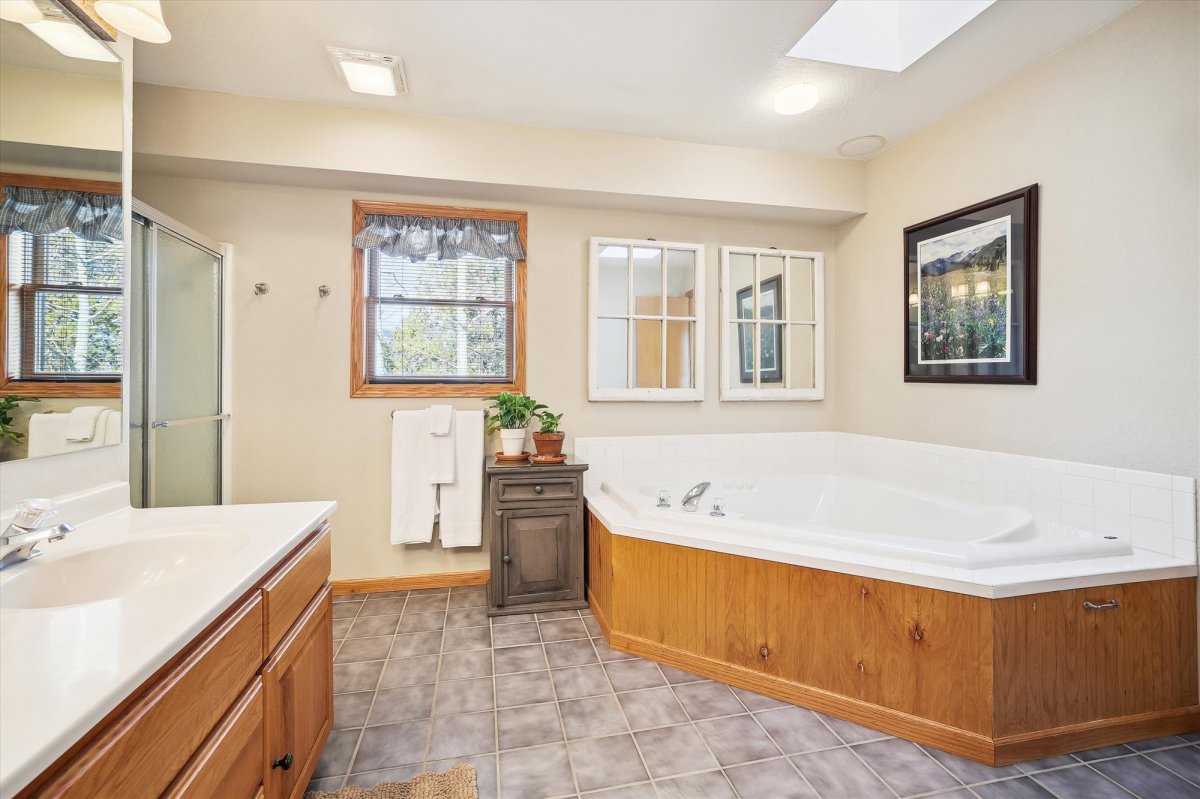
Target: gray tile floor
{"points": [[543, 708]]}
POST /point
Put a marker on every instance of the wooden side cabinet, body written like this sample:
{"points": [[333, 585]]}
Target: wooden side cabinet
{"points": [[536, 523]]}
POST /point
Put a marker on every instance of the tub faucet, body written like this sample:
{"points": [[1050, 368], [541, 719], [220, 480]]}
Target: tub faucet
{"points": [[692, 498], [19, 541]]}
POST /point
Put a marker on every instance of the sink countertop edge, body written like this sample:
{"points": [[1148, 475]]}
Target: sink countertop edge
{"points": [[33, 741]]}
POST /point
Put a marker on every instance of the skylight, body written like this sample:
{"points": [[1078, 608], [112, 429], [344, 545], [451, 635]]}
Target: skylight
{"points": [[884, 34]]}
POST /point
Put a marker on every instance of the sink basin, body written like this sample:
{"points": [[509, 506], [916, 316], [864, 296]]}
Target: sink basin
{"points": [[116, 570]]}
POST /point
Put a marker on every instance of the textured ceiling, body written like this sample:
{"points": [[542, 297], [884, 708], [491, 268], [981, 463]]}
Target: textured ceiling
{"points": [[690, 71]]}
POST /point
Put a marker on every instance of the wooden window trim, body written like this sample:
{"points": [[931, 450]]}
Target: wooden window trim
{"points": [[49, 388], [359, 387]]}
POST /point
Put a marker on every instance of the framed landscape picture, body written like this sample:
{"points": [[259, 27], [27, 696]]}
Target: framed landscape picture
{"points": [[970, 310]]}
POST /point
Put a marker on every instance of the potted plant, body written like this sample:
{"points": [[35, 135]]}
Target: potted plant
{"points": [[510, 414], [8, 405], [548, 440]]}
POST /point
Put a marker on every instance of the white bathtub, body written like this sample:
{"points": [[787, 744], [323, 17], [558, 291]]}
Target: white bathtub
{"points": [[854, 514]]}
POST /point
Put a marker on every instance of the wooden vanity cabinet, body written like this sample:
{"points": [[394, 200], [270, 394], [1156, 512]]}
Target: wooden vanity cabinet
{"points": [[536, 523], [242, 712]]}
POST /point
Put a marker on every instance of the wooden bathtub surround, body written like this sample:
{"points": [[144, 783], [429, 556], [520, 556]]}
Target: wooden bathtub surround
{"points": [[997, 681], [253, 688]]}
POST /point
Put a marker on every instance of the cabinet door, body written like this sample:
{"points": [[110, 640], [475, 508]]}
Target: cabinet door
{"points": [[298, 694], [541, 556]]}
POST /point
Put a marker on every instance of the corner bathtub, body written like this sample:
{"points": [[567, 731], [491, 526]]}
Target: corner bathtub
{"points": [[854, 514]]}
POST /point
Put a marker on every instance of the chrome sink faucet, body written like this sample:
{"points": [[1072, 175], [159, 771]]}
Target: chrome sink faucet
{"points": [[692, 498], [20, 540]]}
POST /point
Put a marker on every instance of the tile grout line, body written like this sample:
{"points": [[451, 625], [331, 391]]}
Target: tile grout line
{"points": [[771, 738], [557, 710], [358, 741], [867, 765], [437, 674]]}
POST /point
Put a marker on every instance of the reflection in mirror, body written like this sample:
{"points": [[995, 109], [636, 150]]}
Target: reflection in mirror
{"points": [[61, 254]]}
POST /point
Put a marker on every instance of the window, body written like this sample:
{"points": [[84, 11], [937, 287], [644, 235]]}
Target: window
{"points": [[772, 324], [439, 301], [646, 321], [63, 296]]}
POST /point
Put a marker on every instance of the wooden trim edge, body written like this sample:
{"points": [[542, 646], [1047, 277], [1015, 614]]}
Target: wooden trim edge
{"points": [[1095, 734], [370, 585]]}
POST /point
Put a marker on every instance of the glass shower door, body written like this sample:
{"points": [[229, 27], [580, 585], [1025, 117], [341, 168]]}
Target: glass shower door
{"points": [[183, 414]]}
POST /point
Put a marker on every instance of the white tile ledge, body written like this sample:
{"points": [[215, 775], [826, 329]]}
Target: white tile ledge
{"points": [[995, 583], [67, 667]]}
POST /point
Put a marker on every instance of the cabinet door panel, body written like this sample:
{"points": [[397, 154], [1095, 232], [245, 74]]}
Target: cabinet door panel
{"points": [[298, 692], [539, 554]]}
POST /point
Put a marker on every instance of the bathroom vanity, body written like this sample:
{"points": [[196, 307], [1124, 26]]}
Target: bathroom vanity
{"points": [[212, 676]]}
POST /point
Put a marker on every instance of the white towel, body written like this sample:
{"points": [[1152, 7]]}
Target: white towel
{"points": [[414, 502], [110, 424], [82, 422], [441, 444], [461, 502]]}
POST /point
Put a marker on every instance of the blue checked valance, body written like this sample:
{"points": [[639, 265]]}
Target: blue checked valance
{"points": [[41, 212], [418, 237]]}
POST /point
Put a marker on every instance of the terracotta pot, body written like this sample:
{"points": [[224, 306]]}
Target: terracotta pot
{"points": [[548, 443]]}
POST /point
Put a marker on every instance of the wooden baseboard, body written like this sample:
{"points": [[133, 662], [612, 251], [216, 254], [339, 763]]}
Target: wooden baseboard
{"points": [[1095, 734], [914, 728], [370, 585]]}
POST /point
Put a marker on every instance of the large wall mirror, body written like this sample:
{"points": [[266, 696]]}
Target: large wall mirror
{"points": [[61, 249]]}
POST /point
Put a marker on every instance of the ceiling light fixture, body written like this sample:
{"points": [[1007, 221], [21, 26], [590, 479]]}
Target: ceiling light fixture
{"points": [[25, 12], [141, 19], [884, 34], [796, 99], [70, 40], [370, 73], [862, 145]]}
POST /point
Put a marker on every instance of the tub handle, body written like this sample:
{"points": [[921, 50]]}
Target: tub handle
{"points": [[1111, 604], [764, 651]]}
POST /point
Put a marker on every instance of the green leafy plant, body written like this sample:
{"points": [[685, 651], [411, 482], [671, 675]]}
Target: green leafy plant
{"points": [[550, 422], [511, 411], [7, 406]]}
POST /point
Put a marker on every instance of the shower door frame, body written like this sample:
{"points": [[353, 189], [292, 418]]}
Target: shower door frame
{"points": [[224, 251]]}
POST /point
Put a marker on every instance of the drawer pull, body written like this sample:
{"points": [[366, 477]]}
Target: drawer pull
{"points": [[284, 762], [538, 489], [506, 559], [1111, 604]]}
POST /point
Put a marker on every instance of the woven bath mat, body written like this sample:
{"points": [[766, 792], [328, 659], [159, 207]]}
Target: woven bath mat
{"points": [[457, 783]]}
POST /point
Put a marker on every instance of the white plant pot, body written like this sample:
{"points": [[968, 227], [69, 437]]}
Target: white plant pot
{"points": [[512, 442]]}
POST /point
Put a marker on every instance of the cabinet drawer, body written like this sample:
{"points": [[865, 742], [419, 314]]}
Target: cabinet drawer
{"points": [[524, 490], [230, 763], [287, 594], [142, 750]]}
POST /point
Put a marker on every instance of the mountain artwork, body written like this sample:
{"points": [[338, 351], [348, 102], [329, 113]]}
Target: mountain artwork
{"points": [[963, 295]]}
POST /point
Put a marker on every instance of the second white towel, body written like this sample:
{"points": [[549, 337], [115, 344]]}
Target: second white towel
{"points": [[414, 496]]}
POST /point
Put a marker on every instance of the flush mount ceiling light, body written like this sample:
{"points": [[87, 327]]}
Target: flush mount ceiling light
{"points": [[884, 34], [370, 73], [863, 145], [70, 40], [796, 99], [22, 11], [141, 19]]}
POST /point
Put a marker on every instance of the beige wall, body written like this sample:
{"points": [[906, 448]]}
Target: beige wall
{"points": [[52, 108], [227, 128], [1109, 128], [298, 435]]}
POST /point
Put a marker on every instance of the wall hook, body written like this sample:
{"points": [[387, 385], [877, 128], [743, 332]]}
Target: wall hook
{"points": [[324, 291], [261, 288]]}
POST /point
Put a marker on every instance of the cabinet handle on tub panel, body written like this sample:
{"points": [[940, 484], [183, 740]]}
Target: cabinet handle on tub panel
{"points": [[284, 762], [1111, 604]]}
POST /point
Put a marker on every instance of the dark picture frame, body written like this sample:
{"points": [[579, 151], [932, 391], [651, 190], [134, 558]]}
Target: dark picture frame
{"points": [[772, 335], [970, 293]]}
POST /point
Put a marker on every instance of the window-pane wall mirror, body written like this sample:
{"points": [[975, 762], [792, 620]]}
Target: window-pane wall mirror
{"points": [[61, 250], [646, 320], [772, 324]]}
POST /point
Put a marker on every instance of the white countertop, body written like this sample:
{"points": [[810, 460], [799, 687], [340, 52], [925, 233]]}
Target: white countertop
{"points": [[63, 669], [992, 583]]}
